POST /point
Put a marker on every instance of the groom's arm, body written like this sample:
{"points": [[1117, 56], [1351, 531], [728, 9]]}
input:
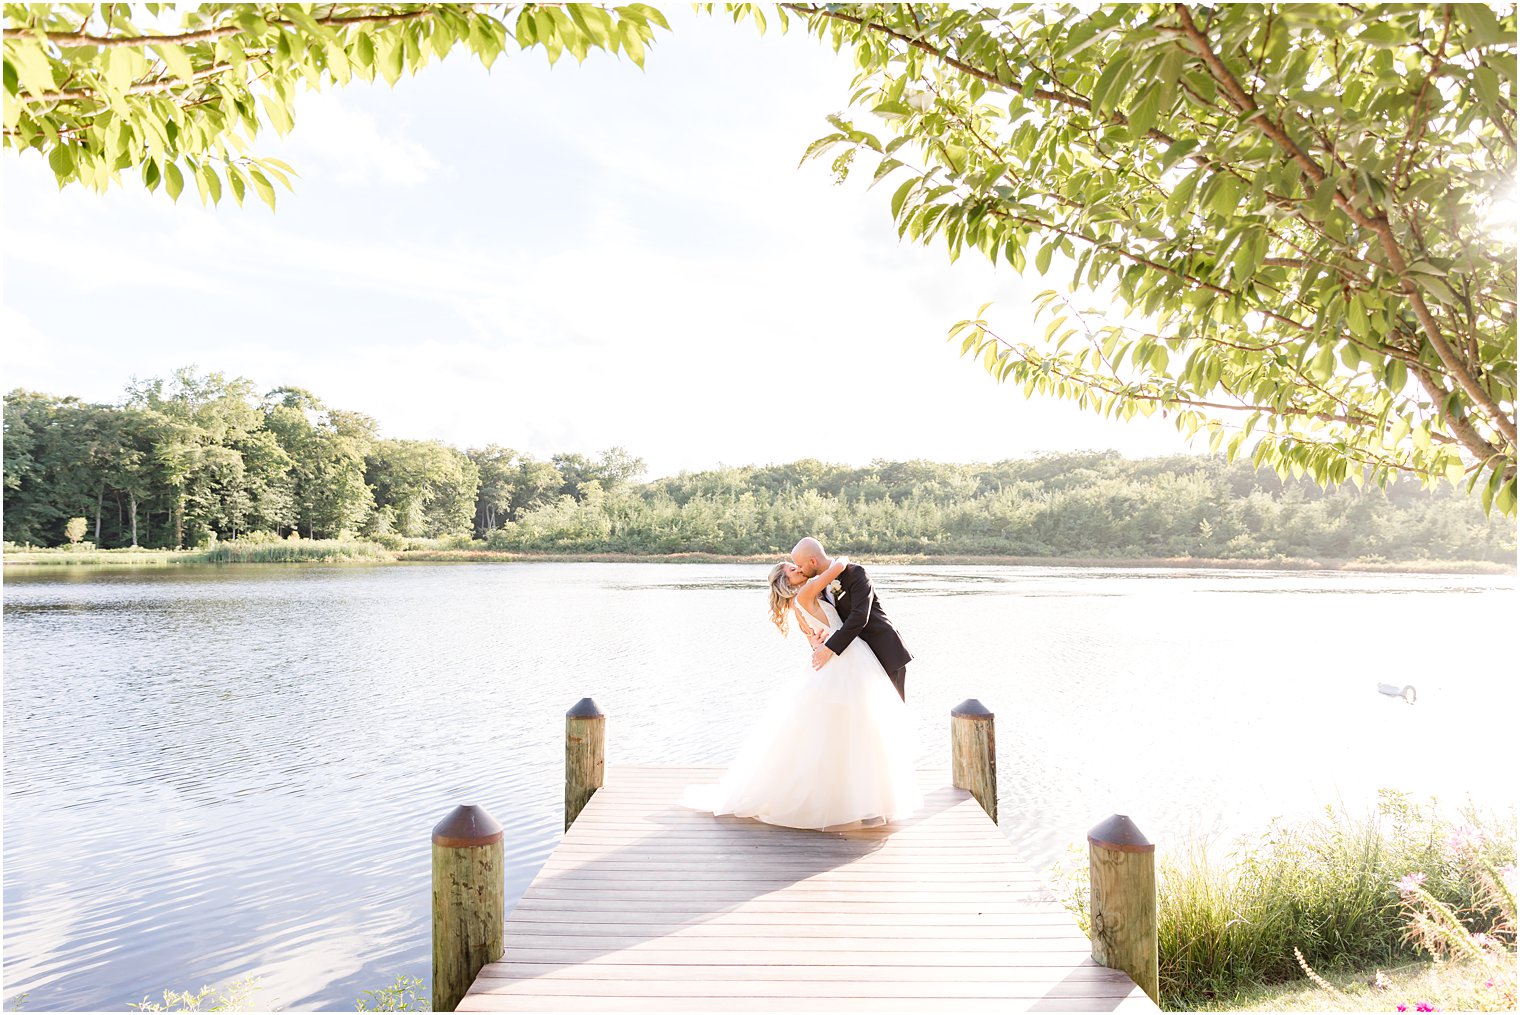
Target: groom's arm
{"points": [[861, 601]]}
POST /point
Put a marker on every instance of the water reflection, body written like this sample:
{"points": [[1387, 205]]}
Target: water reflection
{"points": [[217, 772]]}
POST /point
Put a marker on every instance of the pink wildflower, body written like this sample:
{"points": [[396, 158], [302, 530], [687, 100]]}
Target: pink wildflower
{"points": [[1409, 882], [1464, 838], [1425, 1006], [1402, 1007]]}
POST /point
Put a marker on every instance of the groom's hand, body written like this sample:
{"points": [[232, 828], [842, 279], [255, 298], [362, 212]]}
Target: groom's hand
{"points": [[821, 655]]}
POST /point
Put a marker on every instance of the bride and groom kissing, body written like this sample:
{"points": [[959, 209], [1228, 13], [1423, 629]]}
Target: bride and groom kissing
{"points": [[835, 746]]}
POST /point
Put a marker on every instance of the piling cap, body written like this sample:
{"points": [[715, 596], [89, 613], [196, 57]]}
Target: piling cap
{"points": [[467, 825], [970, 709], [584, 709], [1118, 832]]}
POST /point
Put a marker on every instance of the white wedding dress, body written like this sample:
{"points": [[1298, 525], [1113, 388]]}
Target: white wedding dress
{"points": [[835, 747]]}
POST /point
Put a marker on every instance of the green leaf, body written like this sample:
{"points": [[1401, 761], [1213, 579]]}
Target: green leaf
{"points": [[1482, 24], [1178, 149], [262, 187], [1323, 366], [120, 66], [1042, 258], [1225, 201], [174, 181], [235, 181], [1142, 115], [364, 50], [1486, 81], [1106, 92], [33, 69], [61, 161], [901, 195], [1181, 196], [209, 184], [177, 61], [883, 168], [390, 56], [278, 113]]}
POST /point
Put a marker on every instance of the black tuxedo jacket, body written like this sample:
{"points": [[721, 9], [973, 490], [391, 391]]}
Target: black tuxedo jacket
{"points": [[864, 618]]}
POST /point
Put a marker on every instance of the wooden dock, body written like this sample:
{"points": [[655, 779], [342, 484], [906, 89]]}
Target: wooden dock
{"points": [[647, 906]]}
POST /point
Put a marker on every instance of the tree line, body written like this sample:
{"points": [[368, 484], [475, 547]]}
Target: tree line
{"points": [[196, 458], [192, 459]]}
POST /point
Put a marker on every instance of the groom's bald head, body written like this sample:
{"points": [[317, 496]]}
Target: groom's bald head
{"points": [[808, 554]]}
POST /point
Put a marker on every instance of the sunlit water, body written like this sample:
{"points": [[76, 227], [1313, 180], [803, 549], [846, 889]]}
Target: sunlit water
{"points": [[211, 773]]}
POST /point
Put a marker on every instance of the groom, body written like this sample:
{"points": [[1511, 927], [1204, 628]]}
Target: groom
{"points": [[861, 613]]}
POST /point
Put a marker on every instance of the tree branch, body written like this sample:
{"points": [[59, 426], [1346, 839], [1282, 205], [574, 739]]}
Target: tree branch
{"points": [[82, 38], [1378, 224]]}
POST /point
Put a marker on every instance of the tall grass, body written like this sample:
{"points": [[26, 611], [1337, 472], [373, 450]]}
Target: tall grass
{"points": [[1327, 887], [293, 551], [68, 557], [249, 551]]}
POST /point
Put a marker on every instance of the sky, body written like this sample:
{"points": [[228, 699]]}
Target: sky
{"points": [[556, 260]]}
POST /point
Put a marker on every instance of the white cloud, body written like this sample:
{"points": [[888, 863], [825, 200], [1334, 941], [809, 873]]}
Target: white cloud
{"points": [[348, 146]]}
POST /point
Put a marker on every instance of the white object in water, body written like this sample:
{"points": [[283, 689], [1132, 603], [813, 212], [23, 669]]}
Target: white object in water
{"points": [[1393, 691]]}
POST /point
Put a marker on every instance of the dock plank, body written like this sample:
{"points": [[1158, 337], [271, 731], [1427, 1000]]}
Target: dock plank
{"points": [[647, 906]]}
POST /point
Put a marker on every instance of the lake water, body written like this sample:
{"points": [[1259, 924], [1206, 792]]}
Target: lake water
{"points": [[211, 773]]}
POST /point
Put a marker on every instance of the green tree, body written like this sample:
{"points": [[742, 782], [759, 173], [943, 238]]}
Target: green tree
{"points": [[613, 469], [49, 446], [183, 94], [341, 501], [422, 488], [498, 471], [205, 418], [1286, 204], [324, 492], [536, 484]]}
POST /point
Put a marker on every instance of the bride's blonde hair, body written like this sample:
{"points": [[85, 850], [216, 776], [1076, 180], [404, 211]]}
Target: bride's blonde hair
{"points": [[782, 594]]}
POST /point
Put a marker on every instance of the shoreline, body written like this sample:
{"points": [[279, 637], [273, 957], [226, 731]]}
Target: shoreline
{"points": [[995, 560], [30, 559]]}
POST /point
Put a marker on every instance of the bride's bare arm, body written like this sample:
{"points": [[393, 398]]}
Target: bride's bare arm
{"points": [[816, 584]]}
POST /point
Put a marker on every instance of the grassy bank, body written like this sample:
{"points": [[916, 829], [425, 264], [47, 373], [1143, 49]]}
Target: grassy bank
{"points": [[1228, 927], [304, 551], [1444, 986]]}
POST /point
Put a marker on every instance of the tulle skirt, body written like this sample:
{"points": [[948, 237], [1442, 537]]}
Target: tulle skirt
{"points": [[836, 747]]}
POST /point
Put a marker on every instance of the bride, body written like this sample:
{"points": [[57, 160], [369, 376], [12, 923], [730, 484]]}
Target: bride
{"points": [[836, 745]]}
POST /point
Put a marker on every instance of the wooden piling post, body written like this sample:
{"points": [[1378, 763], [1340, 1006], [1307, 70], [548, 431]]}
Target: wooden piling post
{"points": [[469, 901], [973, 753], [1123, 901], [585, 756]]}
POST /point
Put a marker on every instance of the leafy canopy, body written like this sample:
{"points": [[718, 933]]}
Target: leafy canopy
{"points": [[1291, 203]]}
